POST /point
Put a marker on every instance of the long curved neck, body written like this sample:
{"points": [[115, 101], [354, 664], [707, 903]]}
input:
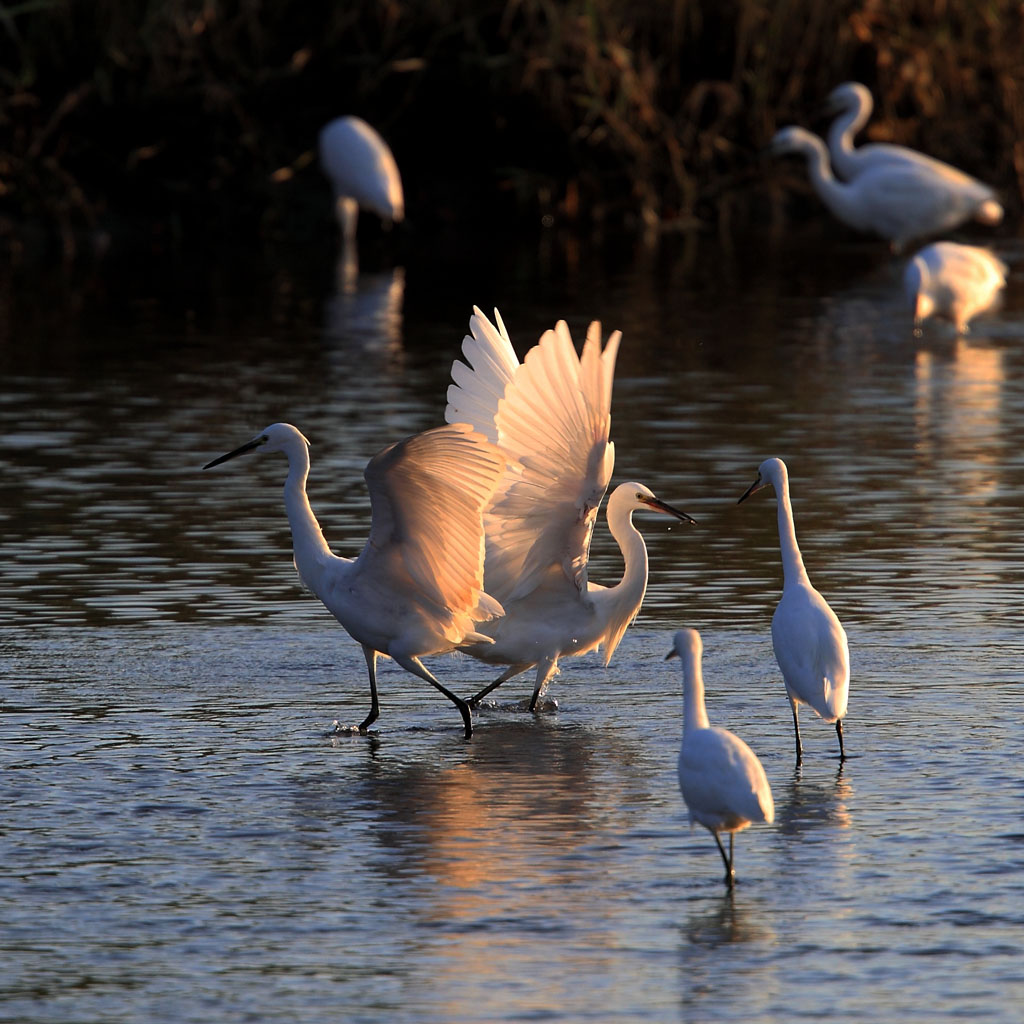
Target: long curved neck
{"points": [[308, 541], [843, 129], [633, 585], [793, 570], [695, 715], [833, 192]]}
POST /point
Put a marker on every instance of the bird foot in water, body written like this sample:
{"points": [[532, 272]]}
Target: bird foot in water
{"points": [[546, 705], [337, 729]]}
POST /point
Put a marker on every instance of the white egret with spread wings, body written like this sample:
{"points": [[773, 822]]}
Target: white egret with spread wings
{"points": [[551, 417]]}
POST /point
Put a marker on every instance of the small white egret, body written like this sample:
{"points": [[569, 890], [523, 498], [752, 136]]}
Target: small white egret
{"points": [[362, 171], [722, 781], [551, 416], [952, 281], [417, 586], [851, 104], [896, 200], [810, 642]]}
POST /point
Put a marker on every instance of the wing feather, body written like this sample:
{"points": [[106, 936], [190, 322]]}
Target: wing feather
{"points": [[427, 495], [554, 421], [480, 382], [551, 417]]}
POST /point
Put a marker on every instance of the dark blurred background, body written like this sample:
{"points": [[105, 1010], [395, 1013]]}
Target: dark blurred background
{"points": [[155, 124]]}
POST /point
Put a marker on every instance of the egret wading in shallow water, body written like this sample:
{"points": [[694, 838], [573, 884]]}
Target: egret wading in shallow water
{"points": [[722, 781], [362, 172], [417, 586], [809, 641], [851, 104], [551, 417], [897, 200], [953, 281]]}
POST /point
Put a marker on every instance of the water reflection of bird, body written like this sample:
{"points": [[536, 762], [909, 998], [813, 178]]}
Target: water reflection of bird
{"points": [[953, 281], [851, 104], [362, 171], [365, 313], [899, 201], [417, 587], [807, 805], [551, 415], [725, 923], [722, 781], [810, 643]]}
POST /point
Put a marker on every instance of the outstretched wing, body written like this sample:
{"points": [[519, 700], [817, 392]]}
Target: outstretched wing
{"points": [[427, 495], [480, 382], [553, 424]]}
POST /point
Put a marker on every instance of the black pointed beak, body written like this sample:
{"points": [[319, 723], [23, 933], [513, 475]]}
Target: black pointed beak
{"points": [[672, 654], [755, 486], [657, 505], [247, 447]]}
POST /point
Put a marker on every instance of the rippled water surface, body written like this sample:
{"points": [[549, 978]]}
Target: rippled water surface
{"points": [[184, 841]]}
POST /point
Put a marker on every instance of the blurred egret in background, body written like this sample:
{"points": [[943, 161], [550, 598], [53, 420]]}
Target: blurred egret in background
{"points": [[953, 281], [852, 104], [898, 200], [722, 781], [551, 416], [362, 172], [810, 643], [417, 586]]}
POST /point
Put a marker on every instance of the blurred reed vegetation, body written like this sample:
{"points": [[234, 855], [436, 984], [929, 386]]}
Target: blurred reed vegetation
{"points": [[183, 117]]}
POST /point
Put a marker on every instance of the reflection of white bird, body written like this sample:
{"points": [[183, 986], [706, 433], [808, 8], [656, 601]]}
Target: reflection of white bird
{"points": [[897, 200], [722, 781], [852, 104], [362, 171], [417, 587], [809, 641], [953, 281], [551, 416]]}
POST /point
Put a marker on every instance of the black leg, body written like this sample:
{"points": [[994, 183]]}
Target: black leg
{"points": [[513, 670], [371, 666], [839, 733], [730, 875], [416, 667], [796, 731]]}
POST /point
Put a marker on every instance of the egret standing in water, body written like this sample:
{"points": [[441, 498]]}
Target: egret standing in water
{"points": [[852, 104], [362, 172], [417, 587], [953, 281], [897, 200], [551, 417], [722, 781], [810, 643]]}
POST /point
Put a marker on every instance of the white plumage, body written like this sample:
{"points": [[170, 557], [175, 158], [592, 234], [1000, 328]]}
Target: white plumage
{"points": [[852, 104], [898, 200], [362, 172], [417, 586], [722, 781], [810, 642], [954, 281], [551, 417]]}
